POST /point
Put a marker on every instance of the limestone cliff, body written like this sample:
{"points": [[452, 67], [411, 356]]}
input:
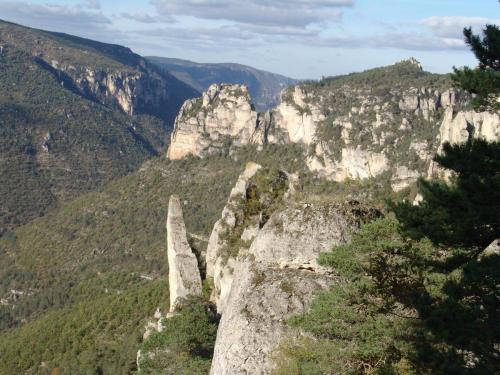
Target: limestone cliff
{"points": [[388, 121], [264, 264], [205, 124], [219, 263], [111, 75], [183, 274]]}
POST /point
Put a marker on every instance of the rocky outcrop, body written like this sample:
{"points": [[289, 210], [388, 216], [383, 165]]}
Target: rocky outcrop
{"points": [[403, 177], [183, 273], [220, 266], [204, 125], [132, 92], [276, 278], [493, 249], [459, 127], [111, 75], [262, 256], [253, 325], [295, 120], [351, 129], [353, 164], [456, 127]]}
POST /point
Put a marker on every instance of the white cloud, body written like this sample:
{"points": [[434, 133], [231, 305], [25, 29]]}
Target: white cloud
{"points": [[452, 26], [297, 13], [143, 17], [55, 17], [77, 20], [93, 4]]}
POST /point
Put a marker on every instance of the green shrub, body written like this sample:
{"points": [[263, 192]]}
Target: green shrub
{"points": [[186, 344]]}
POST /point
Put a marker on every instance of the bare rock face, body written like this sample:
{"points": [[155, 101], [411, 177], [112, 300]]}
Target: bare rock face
{"points": [[130, 91], [403, 177], [355, 163], [458, 127], [219, 267], [492, 250], [273, 272], [183, 273], [296, 119], [228, 216], [252, 325], [277, 278], [204, 124]]}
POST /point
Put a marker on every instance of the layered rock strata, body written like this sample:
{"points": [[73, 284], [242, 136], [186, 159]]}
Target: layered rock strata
{"points": [[183, 273]]}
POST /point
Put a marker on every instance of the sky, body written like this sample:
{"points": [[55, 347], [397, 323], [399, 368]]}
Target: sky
{"points": [[297, 38]]}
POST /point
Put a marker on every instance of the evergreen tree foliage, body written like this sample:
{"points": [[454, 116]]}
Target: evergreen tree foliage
{"points": [[461, 219], [484, 81], [186, 344], [464, 213]]}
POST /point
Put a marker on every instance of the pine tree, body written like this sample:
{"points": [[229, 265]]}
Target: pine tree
{"points": [[484, 81], [465, 212]]}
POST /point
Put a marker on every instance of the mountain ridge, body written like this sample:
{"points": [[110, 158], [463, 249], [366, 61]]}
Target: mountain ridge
{"points": [[265, 87], [73, 119]]}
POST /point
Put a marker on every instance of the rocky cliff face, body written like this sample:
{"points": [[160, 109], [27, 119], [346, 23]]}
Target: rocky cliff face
{"points": [[262, 253], [387, 121], [108, 74], [205, 125], [219, 263], [262, 256], [132, 92]]}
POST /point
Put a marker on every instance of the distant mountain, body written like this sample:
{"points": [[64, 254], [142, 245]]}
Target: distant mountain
{"points": [[264, 87], [74, 113]]}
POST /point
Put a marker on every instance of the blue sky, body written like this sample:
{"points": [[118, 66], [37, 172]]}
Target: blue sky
{"points": [[298, 38]]}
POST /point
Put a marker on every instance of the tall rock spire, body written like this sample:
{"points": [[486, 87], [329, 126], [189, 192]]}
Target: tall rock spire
{"points": [[183, 274]]}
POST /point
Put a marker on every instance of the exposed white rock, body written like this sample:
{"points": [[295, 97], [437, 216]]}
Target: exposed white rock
{"points": [[421, 149], [129, 90], [418, 199], [228, 219], [295, 237], [154, 324], [203, 124], [277, 279], [355, 163], [449, 98], [183, 273], [457, 128], [492, 249], [403, 177], [410, 101], [252, 325], [298, 120], [224, 116], [222, 270]]}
